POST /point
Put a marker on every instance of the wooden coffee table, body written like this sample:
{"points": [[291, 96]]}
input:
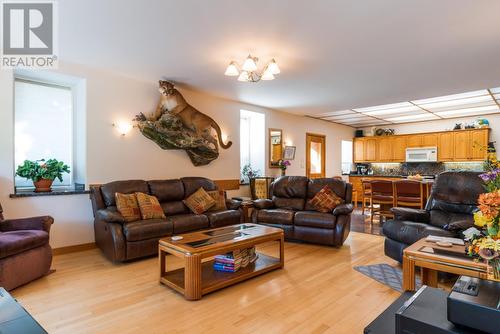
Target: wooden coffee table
{"points": [[432, 258], [197, 249]]}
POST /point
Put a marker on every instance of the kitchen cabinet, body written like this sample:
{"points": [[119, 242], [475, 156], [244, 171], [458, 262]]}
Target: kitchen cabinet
{"points": [[459, 145]]}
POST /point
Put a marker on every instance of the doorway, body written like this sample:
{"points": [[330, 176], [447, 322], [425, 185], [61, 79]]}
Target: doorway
{"points": [[315, 155]]}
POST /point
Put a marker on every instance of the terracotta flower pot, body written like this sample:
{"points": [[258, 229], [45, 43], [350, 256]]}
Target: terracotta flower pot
{"points": [[43, 185]]}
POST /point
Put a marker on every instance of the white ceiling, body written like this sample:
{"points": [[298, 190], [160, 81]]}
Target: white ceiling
{"points": [[333, 55]]}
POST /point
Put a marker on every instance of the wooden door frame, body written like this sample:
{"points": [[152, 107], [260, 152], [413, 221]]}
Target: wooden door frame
{"points": [[323, 154]]}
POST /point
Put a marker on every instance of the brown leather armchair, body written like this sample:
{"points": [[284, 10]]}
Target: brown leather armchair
{"points": [[25, 253], [121, 241], [290, 210], [448, 211]]}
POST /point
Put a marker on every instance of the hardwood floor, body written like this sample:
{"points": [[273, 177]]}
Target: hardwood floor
{"points": [[317, 292]]}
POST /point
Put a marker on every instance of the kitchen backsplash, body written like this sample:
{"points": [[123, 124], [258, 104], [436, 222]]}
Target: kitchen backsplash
{"points": [[424, 168]]}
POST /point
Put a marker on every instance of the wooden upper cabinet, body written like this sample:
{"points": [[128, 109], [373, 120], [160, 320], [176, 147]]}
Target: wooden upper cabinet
{"points": [[399, 148], [479, 144], [370, 149], [359, 150], [385, 149], [430, 140], [414, 141], [461, 142], [445, 146]]}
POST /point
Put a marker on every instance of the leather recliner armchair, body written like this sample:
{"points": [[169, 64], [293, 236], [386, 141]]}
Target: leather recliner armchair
{"points": [[290, 210], [25, 253], [449, 211], [120, 240]]}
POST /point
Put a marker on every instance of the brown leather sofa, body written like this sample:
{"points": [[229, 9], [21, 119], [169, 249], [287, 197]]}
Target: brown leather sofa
{"points": [[25, 253], [290, 210], [121, 241], [448, 212]]}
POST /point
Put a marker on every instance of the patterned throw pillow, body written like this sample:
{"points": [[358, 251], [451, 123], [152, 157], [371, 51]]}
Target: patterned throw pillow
{"points": [[128, 207], [219, 197], [199, 201], [325, 200], [149, 206]]}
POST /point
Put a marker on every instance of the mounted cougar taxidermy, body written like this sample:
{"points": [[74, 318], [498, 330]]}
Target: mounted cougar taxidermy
{"points": [[177, 125], [173, 102]]}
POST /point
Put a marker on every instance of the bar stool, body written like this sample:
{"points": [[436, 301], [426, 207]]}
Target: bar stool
{"points": [[366, 194], [383, 195], [409, 193]]}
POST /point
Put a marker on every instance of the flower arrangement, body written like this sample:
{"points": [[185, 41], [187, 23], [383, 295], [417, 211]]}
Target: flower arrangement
{"points": [[484, 244], [283, 164]]}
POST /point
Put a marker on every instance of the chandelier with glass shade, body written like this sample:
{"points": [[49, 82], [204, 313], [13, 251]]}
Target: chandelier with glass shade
{"points": [[249, 71]]}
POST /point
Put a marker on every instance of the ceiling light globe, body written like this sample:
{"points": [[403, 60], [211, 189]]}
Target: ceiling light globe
{"points": [[243, 76], [232, 70], [249, 64], [273, 67]]}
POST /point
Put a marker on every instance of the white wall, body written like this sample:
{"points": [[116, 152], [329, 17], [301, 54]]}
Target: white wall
{"points": [[110, 98], [443, 125]]}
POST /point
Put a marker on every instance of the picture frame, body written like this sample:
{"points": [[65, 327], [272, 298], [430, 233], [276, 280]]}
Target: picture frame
{"points": [[289, 153]]}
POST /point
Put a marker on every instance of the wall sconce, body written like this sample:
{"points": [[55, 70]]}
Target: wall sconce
{"points": [[123, 127]]}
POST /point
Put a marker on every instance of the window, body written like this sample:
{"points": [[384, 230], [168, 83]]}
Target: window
{"points": [[43, 115], [252, 142], [346, 150]]}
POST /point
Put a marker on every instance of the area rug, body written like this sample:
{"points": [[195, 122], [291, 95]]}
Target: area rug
{"points": [[386, 274]]}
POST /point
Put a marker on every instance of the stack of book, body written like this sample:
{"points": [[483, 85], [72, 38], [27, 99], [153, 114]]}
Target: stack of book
{"points": [[233, 261]]}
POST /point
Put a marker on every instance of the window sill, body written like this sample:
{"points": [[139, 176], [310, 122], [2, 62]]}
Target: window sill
{"points": [[54, 192]]}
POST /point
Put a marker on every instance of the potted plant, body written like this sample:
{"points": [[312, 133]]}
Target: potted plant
{"points": [[248, 172], [42, 172]]}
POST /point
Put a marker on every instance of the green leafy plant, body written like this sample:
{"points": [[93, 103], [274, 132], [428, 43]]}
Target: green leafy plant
{"points": [[248, 172], [41, 169]]}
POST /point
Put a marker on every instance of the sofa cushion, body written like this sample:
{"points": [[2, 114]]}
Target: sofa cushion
{"points": [[167, 190], [441, 218], [149, 206], [325, 200], [219, 197], [199, 201], [315, 219], [128, 207], [290, 187], [275, 216], [289, 203], [188, 222], [15, 242], [192, 184], [223, 217], [174, 208], [109, 190], [410, 232], [147, 229]]}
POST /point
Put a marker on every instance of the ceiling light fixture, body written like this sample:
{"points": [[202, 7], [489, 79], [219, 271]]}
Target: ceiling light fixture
{"points": [[249, 71]]}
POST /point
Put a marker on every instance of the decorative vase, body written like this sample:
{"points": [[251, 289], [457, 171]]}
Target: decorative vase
{"points": [[283, 172], [43, 185], [494, 269]]}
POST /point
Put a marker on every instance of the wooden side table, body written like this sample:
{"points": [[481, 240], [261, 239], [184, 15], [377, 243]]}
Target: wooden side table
{"points": [[432, 258], [246, 210]]}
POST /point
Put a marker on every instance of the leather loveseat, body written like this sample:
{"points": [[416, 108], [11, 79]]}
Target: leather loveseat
{"points": [[448, 211], [121, 241], [289, 209]]}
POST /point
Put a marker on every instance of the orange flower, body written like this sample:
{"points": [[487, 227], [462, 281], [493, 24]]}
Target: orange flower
{"points": [[489, 204]]}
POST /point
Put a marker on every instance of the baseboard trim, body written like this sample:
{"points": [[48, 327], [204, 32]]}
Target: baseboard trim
{"points": [[73, 249]]}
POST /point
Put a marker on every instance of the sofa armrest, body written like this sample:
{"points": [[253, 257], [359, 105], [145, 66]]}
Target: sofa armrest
{"points": [[33, 223], [232, 204], [110, 215], [343, 209], [415, 215], [263, 204], [459, 225]]}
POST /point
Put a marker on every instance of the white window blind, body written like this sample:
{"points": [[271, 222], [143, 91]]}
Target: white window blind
{"points": [[252, 140], [43, 126], [346, 152]]}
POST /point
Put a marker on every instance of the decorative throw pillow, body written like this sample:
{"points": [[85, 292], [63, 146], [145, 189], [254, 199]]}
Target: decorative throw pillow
{"points": [[219, 197], [128, 207], [149, 206], [199, 201], [325, 200]]}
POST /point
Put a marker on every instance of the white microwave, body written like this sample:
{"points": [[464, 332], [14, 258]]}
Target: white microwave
{"points": [[421, 154]]}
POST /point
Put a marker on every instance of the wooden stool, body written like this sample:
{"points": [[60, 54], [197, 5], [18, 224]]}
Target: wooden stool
{"points": [[409, 193]]}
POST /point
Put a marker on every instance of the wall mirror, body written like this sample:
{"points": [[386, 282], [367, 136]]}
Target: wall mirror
{"points": [[275, 147]]}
